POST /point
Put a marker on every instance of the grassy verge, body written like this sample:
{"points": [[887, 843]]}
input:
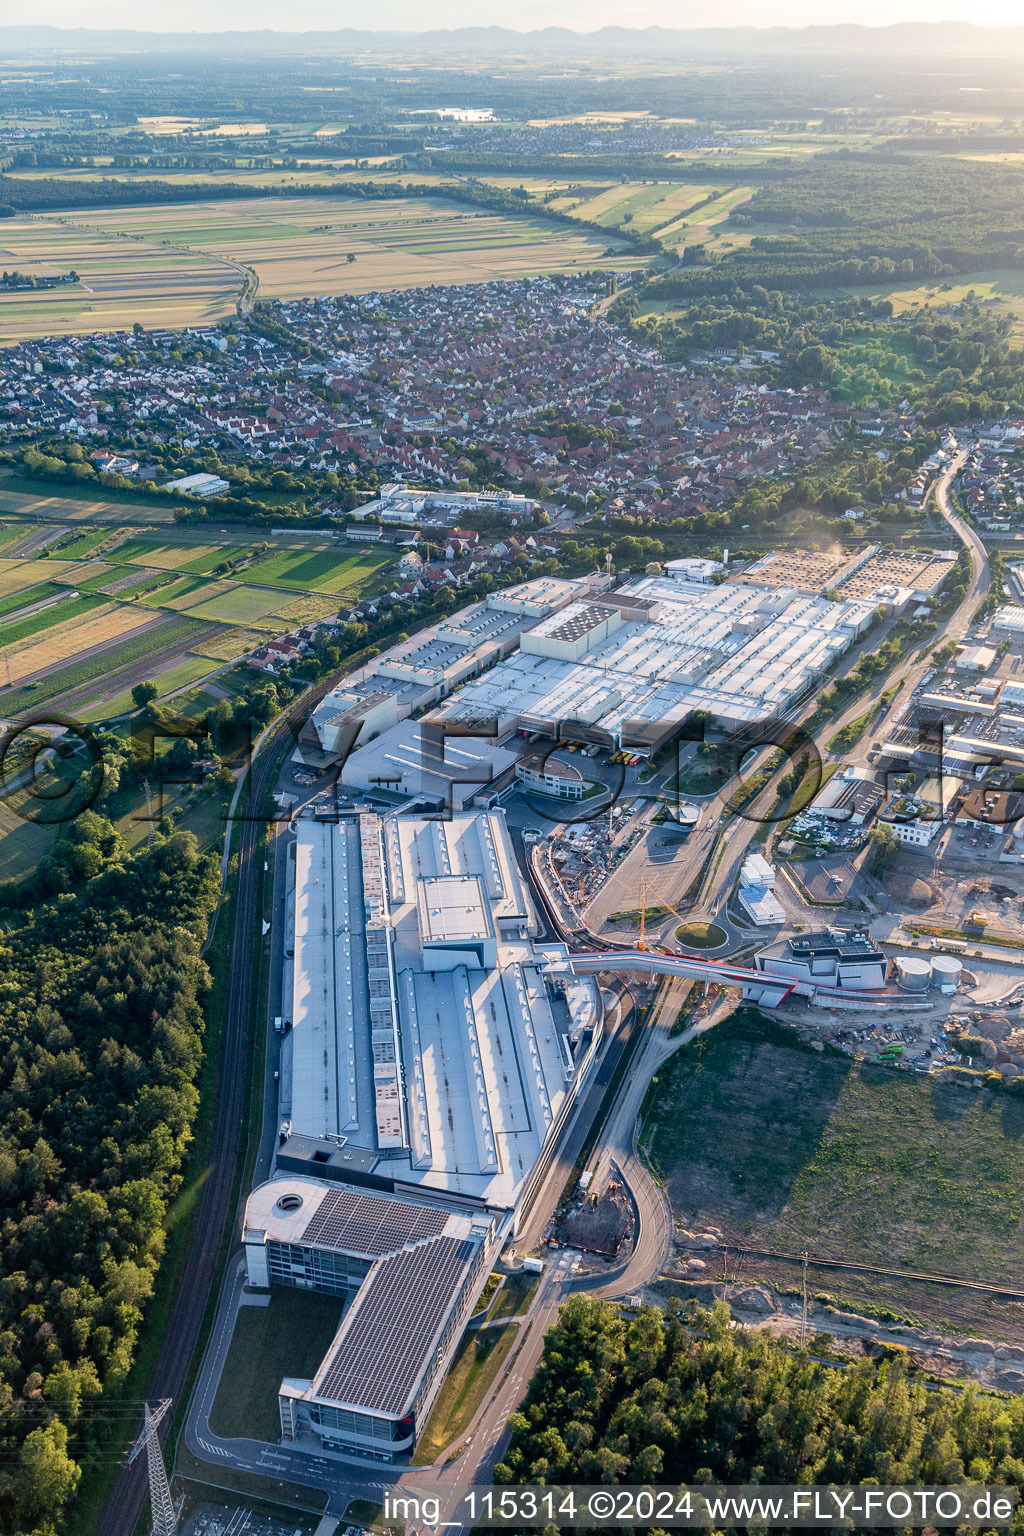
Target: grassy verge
{"points": [[476, 1364], [852, 731], [288, 1337], [516, 1295], [200, 1478]]}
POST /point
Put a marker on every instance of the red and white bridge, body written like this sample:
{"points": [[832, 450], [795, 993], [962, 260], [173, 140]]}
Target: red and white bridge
{"points": [[757, 986]]}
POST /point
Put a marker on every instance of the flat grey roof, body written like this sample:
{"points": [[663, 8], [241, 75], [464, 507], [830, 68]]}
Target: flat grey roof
{"points": [[452, 909]]}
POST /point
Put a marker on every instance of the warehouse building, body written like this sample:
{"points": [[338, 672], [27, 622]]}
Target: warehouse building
{"points": [[577, 660], [434, 1054]]}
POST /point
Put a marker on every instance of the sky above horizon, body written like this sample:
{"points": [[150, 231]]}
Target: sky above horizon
{"points": [[415, 15]]}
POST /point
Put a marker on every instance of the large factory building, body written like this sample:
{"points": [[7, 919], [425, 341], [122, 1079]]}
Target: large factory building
{"points": [[434, 1051]]}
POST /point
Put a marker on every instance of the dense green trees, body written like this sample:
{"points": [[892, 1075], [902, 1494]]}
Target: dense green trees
{"points": [[684, 1399], [100, 1046]]}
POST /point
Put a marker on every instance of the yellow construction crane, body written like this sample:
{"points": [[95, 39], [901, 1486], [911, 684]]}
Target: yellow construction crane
{"points": [[645, 887]]}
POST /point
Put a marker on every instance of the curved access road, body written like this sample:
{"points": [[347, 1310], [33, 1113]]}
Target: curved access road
{"points": [[970, 538]]}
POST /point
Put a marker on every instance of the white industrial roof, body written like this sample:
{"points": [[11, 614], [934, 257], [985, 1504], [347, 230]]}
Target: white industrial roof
{"points": [[487, 1054]]}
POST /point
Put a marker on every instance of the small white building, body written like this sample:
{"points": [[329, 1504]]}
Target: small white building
{"points": [[975, 658], [914, 834], [199, 485], [757, 884]]}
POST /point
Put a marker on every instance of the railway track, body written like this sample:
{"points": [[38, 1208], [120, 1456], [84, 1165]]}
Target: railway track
{"points": [[172, 1371], [1004, 1292]]}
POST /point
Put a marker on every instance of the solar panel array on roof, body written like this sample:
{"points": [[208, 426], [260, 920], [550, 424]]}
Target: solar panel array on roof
{"points": [[367, 1224], [385, 1340]]}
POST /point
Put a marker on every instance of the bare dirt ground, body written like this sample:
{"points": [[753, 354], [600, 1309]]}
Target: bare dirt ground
{"points": [[597, 1223], [952, 1356]]}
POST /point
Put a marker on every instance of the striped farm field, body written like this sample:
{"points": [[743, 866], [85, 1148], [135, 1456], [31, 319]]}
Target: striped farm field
{"points": [[188, 593], [302, 245], [160, 635], [90, 575], [166, 557], [188, 671], [172, 588], [68, 611], [646, 206], [235, 604], [323, 570], [207, 560], [130, 581], [18, 601], [120, 281], [72, 639], [16, 575]]}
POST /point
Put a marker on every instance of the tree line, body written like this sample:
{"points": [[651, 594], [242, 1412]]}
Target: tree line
{"points": [[101, 1041], [681, 1397]]}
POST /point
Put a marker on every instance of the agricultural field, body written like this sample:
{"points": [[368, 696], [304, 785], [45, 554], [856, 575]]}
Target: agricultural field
{"points": [[647, 207], [321, 570], [119, 281], [16, 575], [1006, 287], [111, 668], [138, 606], [167, 681], [22, 626], [30, 597], [674, 213], [786, 1149], [24, 497], [76, 635], [303, 246]]}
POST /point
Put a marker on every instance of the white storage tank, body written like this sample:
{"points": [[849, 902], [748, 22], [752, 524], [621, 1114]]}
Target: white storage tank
{"points": [[912, 973], [946, 971]]}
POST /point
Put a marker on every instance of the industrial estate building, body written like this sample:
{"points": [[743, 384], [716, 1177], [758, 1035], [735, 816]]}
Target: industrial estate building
{"points": [[431, 719], [850, 962], [434, 1051], [433, 1047]]}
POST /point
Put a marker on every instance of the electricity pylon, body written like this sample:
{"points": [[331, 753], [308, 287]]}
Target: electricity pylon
{"points": [[165, 1513]]}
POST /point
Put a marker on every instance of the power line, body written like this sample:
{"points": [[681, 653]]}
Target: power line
{"points": [[162, 1506]]}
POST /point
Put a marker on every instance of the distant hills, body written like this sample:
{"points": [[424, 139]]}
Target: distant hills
{"points": [[944, 38]]}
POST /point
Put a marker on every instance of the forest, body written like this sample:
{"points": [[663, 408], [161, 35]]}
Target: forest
{"points": [[101, 1040], [681, 1397], [954, 364]]}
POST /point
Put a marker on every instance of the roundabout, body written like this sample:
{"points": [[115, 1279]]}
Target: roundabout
{"points": [[702, 935]]}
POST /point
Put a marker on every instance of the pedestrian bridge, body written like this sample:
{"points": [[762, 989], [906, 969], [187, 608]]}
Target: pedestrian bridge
{"points": [[756, 986]]}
